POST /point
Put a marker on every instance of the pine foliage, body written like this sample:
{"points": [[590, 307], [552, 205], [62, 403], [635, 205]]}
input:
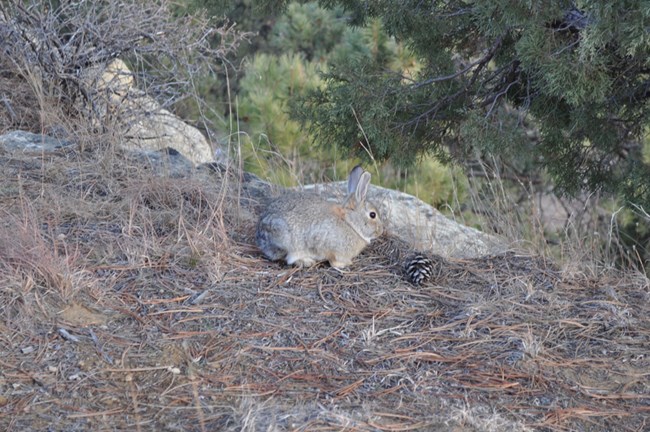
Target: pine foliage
{"points": [[579, 71]]}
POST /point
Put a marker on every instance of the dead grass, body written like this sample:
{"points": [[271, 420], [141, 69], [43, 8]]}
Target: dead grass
{"points": [[17, 101], [132, 301]]}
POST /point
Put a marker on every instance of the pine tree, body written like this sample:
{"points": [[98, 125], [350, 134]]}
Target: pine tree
{"points": [[578, 71]]}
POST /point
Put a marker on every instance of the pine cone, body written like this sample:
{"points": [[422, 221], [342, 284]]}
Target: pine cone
{"points": [[419, 269]]}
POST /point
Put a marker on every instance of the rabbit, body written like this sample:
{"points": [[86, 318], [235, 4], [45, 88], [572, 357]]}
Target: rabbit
{"points": [[304, 228]]}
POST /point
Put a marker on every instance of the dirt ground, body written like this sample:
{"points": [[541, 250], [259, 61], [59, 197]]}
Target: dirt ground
{"points": [[134, 301]]}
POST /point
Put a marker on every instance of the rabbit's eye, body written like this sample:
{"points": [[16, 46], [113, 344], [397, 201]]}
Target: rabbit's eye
{"points": [[373, 215]]}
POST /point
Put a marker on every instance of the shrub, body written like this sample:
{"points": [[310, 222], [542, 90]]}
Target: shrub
{"points": [[54, 45]]}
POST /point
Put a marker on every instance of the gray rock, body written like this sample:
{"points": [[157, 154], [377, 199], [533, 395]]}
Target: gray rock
{"points": [[254, 190], [27, 142], [139, 118], [167, 162]]}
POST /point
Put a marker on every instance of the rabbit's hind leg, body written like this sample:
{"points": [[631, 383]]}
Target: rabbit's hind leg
{"points": [[340, 261], [339, 264], [300, 258]]}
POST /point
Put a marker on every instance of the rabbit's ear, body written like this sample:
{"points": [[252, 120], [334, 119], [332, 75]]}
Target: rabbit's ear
{"points": [[353, 179], [362, 188]]}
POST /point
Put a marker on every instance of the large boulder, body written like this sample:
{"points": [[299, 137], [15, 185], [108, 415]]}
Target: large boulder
{"points": [[142, 122]]}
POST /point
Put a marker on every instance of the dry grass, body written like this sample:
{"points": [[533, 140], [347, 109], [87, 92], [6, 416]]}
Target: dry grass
{"points": [[17, 110], [132, 301]]}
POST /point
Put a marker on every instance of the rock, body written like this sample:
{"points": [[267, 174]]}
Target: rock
{"points": [[141, 120], [167, 162], [115, 81], [253, 188], [160, 129], [27, 142]]}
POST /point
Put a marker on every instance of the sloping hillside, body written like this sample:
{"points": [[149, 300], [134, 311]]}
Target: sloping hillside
{"points": [[133, 299]]}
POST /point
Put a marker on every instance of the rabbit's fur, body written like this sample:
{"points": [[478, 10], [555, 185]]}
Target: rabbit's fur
{"points": [[304, 228]]}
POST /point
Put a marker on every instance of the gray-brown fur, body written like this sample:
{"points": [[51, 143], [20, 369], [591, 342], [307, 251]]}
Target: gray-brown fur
{"points": [[304, 228]]}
